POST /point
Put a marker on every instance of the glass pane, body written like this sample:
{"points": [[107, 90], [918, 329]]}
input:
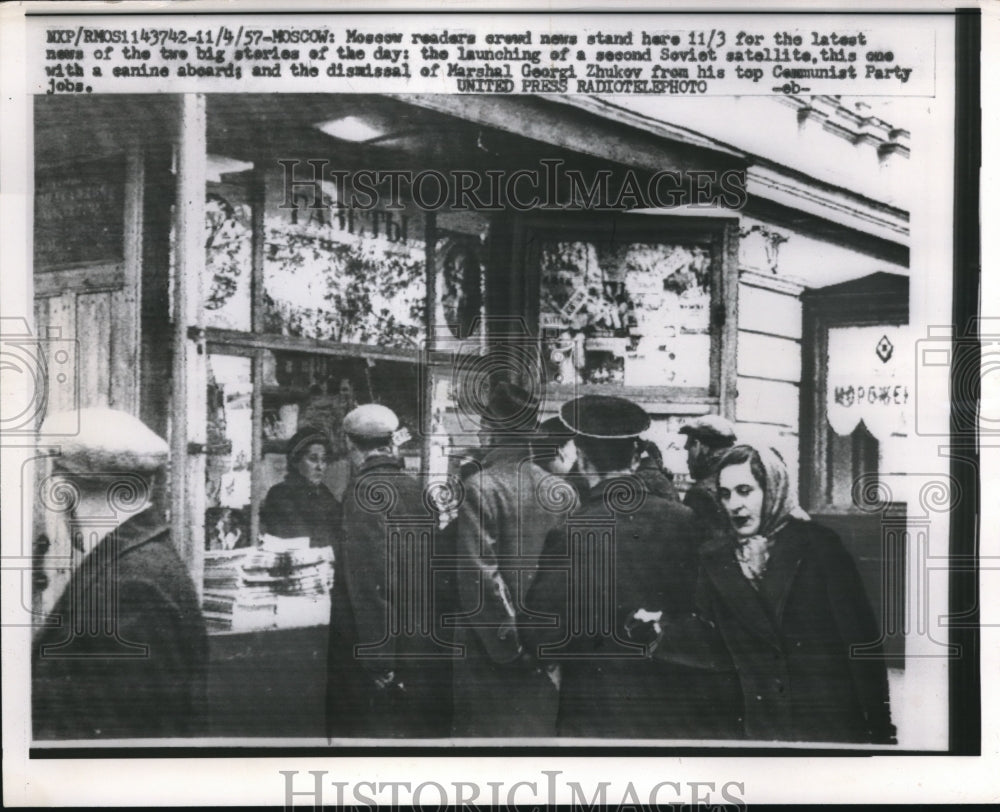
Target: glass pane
{"points": [[454, 430], [347, 275], [319, 390], [460, 299], [851, 459], [276, 583], [79, 214], [227, 244], [230, 452], [632, 315]]}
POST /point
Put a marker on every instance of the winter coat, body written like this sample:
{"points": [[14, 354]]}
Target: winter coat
{"points": [[386, 613], [805, 648], [509, 507], [128, 658], [625, 549], [295, 508]]}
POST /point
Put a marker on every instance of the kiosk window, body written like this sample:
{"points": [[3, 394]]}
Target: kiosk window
{"points": [[228, 245], [339, 274], [635, 314]]}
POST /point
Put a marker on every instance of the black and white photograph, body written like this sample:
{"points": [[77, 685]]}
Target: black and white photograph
{"points": [[551, 386]]}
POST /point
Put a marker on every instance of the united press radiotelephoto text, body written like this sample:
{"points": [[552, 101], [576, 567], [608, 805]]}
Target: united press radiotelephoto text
{"points": [[634, 60]]}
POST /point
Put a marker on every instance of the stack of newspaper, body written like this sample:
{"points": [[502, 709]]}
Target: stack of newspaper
{"points": [[283, 583]]}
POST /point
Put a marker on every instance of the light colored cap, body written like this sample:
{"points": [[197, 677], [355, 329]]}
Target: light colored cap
{"points": [[712, 428], [371, 420], [108, 440]]}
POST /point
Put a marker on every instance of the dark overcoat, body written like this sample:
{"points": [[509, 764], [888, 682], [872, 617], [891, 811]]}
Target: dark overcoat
{"points": [[385, 612], [790, 644], [657, 482], [295, 508], [128, 658], [508, 509], [617, 554], [701, 498]]}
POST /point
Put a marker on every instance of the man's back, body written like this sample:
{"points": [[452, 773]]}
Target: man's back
{"points": [[701, 498], [146, 675], [385, 619], [509, 507], [625, 549]]}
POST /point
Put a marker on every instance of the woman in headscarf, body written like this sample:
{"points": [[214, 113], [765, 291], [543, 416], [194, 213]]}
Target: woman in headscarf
{"points": [[303, 505], [781, 607]]}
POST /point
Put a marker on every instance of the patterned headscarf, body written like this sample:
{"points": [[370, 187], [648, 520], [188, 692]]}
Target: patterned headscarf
{"points": [[779, 506]]}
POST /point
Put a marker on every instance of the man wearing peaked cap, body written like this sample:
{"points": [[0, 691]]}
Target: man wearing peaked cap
{"points": [[606, 430], [604, 417], [381, 681], [144, 673], [625, 548], [502, 522], [708, 439]]}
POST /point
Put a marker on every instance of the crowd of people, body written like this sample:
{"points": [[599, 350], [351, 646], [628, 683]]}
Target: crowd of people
{"points": [[575, 594]]}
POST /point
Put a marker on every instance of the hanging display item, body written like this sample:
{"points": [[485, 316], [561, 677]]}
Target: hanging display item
{"points": [[626, 314]]}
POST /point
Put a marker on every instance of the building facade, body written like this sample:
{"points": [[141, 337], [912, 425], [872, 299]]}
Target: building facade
{"points": [[233, 267]]}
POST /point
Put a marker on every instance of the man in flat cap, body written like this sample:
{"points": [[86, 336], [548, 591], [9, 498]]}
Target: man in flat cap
{"points": [[122, 650], [499, 689], [708, 439], [387, 676], [625, 548]]}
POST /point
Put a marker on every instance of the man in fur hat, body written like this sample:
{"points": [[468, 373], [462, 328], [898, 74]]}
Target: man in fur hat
{"points": [[499, 689]]}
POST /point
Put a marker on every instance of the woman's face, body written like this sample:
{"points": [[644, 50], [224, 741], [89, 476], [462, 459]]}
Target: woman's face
{"points": [[742, 498], [312, 464]]}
